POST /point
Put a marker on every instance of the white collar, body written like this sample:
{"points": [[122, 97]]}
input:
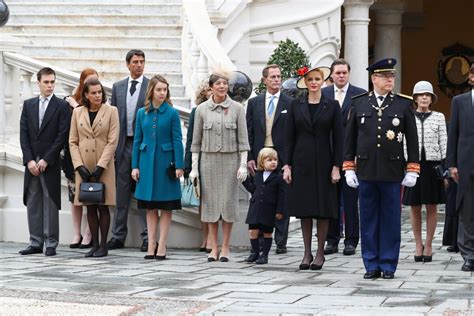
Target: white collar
{"points": [[344, 89], [268, 95], [139, 79]]}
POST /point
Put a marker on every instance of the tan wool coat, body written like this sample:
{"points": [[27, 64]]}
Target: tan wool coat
{"points": [[95, 145]]}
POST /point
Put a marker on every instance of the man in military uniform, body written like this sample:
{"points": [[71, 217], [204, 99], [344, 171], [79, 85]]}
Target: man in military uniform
{"points": [[379, 122]]}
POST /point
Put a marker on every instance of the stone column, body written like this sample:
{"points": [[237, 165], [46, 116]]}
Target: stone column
{"points": [[388, 25], [356, 41]]}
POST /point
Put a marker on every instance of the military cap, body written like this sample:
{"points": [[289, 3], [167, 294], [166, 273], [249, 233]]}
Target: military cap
{"points": [[383, 65]]}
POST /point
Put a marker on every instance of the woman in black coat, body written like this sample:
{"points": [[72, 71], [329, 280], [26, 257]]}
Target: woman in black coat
{"points": [[313, 157]]}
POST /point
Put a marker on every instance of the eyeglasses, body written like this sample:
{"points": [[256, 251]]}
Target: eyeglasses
{"points": [[386, 75]]}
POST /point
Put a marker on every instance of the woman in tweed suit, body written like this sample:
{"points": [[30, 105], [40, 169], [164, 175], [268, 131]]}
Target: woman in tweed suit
{"points": [[220, 135], [429, 189]]}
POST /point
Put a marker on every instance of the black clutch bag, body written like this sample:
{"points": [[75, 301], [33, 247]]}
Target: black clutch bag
{"points": [[171, 170], [439, 170], [92, 192]]}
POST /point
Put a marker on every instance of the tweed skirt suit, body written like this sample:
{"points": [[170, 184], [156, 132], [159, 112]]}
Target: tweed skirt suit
{"points": [[220, 133]]}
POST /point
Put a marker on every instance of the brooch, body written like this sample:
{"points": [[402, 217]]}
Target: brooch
{"points": [[400, 137], [390, 134], [395, 122]]}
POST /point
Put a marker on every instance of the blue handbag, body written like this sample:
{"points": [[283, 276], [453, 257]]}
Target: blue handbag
{"points": [[188, 194]]}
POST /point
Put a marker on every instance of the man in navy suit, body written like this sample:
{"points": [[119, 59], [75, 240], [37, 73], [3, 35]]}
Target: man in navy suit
{"points": [[343, 91], [44, 127], [266, 119], [461, 165], [128, 95]]}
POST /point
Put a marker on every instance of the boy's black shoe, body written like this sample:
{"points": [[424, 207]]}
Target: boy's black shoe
{"points": [[252, 258], [281, 249], [263, 259]]}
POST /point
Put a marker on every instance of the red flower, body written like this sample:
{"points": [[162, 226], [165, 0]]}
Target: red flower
{"points": [[302, 71]]}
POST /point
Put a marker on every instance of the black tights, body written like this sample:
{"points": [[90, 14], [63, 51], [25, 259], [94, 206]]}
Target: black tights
{"points": [[307, 230], [98, 216]]}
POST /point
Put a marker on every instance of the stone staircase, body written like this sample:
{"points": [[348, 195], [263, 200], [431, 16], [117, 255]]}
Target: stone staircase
{"points": [[71, 35]]}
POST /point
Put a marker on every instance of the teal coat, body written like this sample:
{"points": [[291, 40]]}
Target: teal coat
{"points": [[157, 143]]}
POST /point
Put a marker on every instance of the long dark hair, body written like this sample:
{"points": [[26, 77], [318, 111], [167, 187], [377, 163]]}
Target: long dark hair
{"points": [[87, 85]]}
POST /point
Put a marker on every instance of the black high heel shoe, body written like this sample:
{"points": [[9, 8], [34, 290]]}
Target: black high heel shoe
{"points": [[153, 256], [428, 258], [76, 244], [315, 266], [161, 257], [85, 246], [419, 258], [305, 266]]}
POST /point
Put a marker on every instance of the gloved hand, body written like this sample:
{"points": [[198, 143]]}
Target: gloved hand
{"points": [[97, 173], [194, 174], [242, 173], [84, 173], [410, 179], [351, 179]]}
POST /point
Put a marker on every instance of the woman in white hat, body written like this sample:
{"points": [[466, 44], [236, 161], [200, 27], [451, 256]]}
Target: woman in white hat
{"points": [[311, 167], [429, 189]]}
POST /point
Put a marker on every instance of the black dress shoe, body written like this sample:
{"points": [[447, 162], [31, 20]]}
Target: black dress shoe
{"points": [[153, 256], [453, 249], [202, 249], [349, 250], [468, 265], [50, 251], [281, 250], [330, 249], [305, 266], [372, 274], [418, 258], [252, 257], [76, 244], [90, 253], [388, 274], [30, 250], [427, 258], [114, 244], [315, 266], [85, 246], [101, 252], [144, 246], [263, 259]]}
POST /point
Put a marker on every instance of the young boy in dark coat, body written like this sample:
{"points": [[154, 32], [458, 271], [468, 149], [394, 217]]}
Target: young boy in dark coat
{"points": [[267, 203]]}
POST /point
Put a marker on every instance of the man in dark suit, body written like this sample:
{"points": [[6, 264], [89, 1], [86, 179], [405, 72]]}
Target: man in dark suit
{"points": [[342, 91], [44, 127], [128, 95], [461, 165], [266, 119], [378, 123]]}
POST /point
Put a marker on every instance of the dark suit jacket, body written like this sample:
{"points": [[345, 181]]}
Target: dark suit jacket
{"points": [[461, 142], [45, 141], [268, 198], [119, 99], [189, 141], [256, 124], [346, 105]]}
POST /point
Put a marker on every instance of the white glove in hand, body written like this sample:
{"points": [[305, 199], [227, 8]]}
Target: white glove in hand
{"points": [[410, 179], [242, 173], [351, 179], [194, 174]]}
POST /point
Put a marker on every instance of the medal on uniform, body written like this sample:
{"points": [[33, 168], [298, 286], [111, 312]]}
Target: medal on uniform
{"points": [[390, 134], [362, 120], [395, 121], [399, 137]]}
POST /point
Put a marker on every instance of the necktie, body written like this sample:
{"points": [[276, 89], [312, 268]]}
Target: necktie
{"points": [[271, 106], [380, 97], [133, 87], [339, 96], [42, 110]]}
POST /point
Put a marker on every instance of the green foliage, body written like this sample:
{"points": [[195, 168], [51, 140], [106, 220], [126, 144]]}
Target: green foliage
{"points": [[290, 56]]}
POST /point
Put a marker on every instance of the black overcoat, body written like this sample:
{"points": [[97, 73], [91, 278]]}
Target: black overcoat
{"points": [[268, 198], [45, 141], [313, 147]]}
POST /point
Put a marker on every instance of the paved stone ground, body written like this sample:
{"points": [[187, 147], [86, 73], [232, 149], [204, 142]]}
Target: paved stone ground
{"points": [[125, 284]]}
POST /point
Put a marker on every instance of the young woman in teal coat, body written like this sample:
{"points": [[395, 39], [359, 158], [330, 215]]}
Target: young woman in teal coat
{"points": [[157, 163]]}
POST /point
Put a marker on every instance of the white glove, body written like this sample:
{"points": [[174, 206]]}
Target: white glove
{"points": [[194, 174], [242, 173], [351, 179], [410, 179]]}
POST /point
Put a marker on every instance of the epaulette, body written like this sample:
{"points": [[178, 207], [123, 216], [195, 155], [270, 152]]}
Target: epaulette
{"points": [[359, 95], [405, 96]]}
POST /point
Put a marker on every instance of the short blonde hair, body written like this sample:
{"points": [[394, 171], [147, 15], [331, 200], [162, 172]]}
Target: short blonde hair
{"points": [[265, 153]]}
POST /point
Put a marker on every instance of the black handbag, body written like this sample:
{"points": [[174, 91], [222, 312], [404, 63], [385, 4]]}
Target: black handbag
{"points": [[171, 171], [92, 192]]}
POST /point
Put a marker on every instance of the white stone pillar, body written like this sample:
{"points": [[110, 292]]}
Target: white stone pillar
{"points": [[388, 25], [356, 40]]}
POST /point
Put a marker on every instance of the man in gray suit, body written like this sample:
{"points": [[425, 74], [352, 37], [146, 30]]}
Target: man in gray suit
{"points": [[461, 165], [128, 95]]}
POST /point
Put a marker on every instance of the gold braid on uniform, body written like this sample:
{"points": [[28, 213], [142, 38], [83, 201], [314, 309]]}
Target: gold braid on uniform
{"points": [[348, 165], [413, 167]]}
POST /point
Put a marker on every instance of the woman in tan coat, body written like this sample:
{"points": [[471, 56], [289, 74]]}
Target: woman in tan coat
{"points": [[92, 141]]}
